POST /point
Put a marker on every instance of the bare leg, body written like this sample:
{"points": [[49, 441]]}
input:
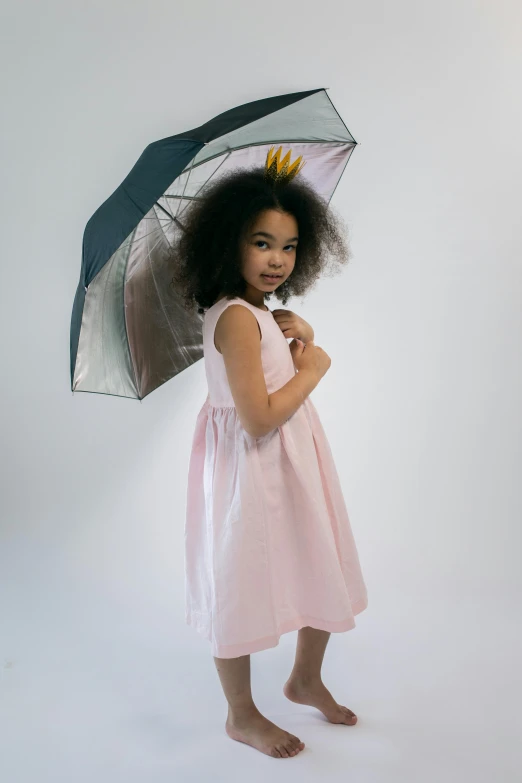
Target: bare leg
{"points": [[244, 721], [304, 686]]}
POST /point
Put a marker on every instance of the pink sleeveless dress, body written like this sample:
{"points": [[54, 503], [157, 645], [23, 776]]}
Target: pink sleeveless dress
{"points": [[268, 543]]}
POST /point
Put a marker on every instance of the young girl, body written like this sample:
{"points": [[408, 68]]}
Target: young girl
{"points": [[268, 543]]}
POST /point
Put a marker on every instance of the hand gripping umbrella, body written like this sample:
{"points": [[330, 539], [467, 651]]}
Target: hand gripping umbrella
{"points": [[130, 332]]}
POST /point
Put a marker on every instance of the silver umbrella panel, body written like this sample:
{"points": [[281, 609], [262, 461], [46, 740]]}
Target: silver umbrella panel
{"points": [[130, 331]]}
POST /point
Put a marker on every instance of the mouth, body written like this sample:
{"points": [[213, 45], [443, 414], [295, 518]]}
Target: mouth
{"points": [[272, 278]]}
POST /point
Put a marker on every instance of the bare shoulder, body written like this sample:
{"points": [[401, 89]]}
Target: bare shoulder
{"points": [[236, 329]]}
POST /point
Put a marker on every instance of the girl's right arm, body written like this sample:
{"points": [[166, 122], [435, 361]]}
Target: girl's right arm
{"points": [[238, 339]]}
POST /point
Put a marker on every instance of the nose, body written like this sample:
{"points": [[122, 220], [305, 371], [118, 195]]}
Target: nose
{"points": [[275, 264]]}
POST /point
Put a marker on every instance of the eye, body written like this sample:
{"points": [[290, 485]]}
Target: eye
{"points": [[262, 242]]}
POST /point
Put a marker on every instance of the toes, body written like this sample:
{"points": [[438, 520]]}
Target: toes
{"points": [[283, 751]]}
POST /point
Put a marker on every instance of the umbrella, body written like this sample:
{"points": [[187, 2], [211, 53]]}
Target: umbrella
{"points": [[130, 332]]}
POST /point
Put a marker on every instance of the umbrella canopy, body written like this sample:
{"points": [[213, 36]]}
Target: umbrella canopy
{"points": [[130, 333]]}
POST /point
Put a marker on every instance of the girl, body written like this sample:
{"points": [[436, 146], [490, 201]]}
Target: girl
{"points": [[268, 543]]}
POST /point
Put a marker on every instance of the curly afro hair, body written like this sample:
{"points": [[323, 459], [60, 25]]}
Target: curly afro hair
{"points": [[206, 256]]}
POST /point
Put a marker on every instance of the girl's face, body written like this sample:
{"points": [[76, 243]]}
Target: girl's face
{"points": [[269, 249]]}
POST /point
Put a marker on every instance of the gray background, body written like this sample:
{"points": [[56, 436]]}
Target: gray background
{"points": [[100, 677]]}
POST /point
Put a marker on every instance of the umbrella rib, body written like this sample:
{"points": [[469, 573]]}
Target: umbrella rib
{"points": [[179, 346], [184, 197], [155, 218], [163, 209], [102, 341], [185, 186], [160, 237], [171, 217], [207, 180], [279, 141], [189, 198]]}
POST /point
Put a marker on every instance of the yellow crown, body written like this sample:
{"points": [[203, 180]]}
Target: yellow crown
{"points": [[279, 171]]}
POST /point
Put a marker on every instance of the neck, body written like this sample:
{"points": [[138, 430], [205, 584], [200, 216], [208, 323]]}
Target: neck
{"points": [[255, 297]]}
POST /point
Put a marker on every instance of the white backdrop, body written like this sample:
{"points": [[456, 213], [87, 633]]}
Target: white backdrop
{"points": [[100, 677]]}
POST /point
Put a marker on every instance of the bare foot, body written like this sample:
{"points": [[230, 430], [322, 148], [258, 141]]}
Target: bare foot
{"points": [[317, 695], [262, 734]]}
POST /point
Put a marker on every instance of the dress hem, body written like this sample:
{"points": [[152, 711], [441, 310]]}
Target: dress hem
{"points": [[267, 642]]}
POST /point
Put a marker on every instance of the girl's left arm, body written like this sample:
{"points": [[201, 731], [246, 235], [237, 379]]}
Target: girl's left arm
{"points": [[292, 325]]}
